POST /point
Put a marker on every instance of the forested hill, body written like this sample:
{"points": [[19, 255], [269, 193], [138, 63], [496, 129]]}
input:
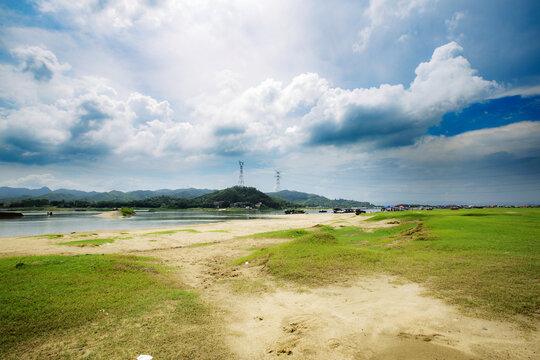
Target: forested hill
{"points": [[237, 196], [314, 200], [240, 196], [17, 194], [179, 198]]}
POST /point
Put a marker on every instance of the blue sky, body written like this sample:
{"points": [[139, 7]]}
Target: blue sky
{"points": [[384, 101]]}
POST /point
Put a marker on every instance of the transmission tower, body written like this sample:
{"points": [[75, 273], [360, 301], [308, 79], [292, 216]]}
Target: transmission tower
{"points": [[241, 178], [278, 177]]}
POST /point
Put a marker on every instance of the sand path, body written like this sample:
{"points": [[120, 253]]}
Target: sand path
{"points": [[377, 317]]}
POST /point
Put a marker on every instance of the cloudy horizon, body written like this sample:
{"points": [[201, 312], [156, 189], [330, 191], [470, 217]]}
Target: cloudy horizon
{"points": [[413, 101]]}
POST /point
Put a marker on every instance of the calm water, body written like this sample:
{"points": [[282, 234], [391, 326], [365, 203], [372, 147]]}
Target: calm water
{"points": [[38, 223]]}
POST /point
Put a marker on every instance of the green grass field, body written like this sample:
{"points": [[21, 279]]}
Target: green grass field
{"points": [[169, 232], [96, 307], [89, 242], [487, 261]]}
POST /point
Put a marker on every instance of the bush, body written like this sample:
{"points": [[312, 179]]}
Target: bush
{"points": [[127, 211]]}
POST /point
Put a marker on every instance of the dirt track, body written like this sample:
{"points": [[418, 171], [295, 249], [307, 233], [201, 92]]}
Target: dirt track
{"points": [[376, 317]]}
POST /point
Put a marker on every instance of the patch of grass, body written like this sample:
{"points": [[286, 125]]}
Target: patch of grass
{"points": [[314, 258], [202, 244], [169, 232], [80, 235], [51, 236], [245, 285], [378, 236], [281, 234], [96, 306], [403, 215], [487, 262], [152, 240], [89, 242]]}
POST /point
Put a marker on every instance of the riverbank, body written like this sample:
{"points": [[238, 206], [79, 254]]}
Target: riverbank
{"points": [[368, 315]]}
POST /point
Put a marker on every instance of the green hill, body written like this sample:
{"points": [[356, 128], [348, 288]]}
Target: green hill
{"points": [[313, 200], [240, 196], [18, 194]]}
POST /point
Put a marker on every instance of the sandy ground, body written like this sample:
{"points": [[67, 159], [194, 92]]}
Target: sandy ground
{"points": [[378, 317]]}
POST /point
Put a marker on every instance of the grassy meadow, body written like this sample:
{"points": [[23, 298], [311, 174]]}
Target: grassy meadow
{"points": [[487, 261], [100, 306]]}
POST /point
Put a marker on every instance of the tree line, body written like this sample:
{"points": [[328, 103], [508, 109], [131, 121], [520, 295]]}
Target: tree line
{"points": [[165, 202]]}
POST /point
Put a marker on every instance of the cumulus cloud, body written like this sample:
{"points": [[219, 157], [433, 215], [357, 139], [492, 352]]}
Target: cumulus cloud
{"points": [[87, 118], [308, 110], [392, 115], [41, 62], [60, 117]]}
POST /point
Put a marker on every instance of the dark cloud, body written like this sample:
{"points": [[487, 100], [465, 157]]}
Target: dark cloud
{"points": [[40, 70], [90, 119], [28, 145], [26, 150], [40, 62], [229, 130], [383, 127]]}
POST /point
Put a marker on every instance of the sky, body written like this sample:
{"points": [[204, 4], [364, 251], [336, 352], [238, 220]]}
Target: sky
{"points": [[386, 101]]}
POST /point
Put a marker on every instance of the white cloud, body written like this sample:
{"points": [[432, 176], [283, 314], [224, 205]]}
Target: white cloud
{"points": [[452, 25], [403, 38], [524, 91], [519, 140], [86, 116], [40, 62], [65, 116], [381, 13], [177, 47], [98, 16], [393, 115]]}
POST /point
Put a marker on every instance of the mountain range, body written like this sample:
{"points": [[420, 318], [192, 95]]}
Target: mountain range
{"points": [[9, 194]]}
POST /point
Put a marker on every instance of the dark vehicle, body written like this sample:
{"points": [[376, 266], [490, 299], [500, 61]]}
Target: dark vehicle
{"points": [[294, 211], [360, 211]]}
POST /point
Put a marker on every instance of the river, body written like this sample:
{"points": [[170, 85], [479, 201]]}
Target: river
{"points": [[39, 223]]}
